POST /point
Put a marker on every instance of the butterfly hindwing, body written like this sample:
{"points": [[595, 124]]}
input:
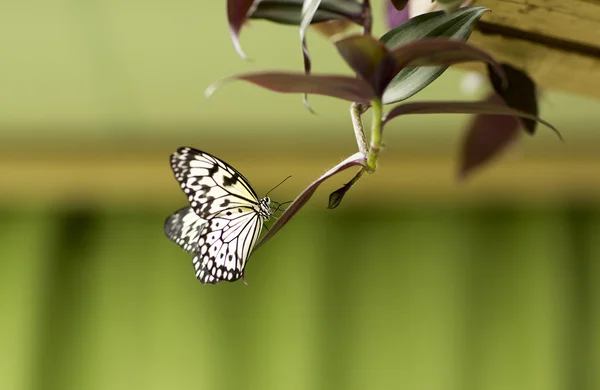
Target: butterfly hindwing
{"points": [[225, 244], [183, 228]]}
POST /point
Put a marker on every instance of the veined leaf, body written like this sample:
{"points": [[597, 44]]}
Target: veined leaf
{"points": [[458, 25]]}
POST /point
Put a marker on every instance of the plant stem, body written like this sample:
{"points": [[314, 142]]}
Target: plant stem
{"points": [[375, 146], [359, 133]]}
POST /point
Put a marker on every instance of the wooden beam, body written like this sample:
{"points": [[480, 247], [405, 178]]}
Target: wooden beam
{"points": [[556, 41], [105, 176]]}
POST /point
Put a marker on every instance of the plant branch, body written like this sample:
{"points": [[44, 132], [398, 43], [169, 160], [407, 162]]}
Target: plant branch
{"points": [[359, 132], [375, 146]]}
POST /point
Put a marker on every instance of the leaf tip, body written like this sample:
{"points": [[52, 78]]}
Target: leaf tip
{"points": [[208, 92], [307, 105]]}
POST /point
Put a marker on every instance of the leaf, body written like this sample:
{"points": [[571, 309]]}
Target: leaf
{"points": [[237, 14], [487, 137], [335, 198], [331, 27], [461, 108], [369, 58], [373, 62], [357, 159], [457, 26], [396, 16], [519, 93], [449, 6], [399, 4], [342, 87], [290, 11], [309, 9], [287, 12], [443, 51]]}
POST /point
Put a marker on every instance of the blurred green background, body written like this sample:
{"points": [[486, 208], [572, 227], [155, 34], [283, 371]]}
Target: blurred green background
{"points": [[415, 282]]}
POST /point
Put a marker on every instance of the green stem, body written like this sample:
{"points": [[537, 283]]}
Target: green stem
{"points": [[375, 146]]}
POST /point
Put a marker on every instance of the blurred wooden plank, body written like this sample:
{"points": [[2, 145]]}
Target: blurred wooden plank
{"points": [[574, 20], [556, 41], [143, 177]]}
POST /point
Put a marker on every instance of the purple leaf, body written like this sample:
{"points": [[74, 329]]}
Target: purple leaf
{"points": [[396, 16], [369, 58], [487, 137], [443, 52], [237, 14], [357, 159], [518, 92], [363, 53], [287, 12], [342, 87], [461, 108]]}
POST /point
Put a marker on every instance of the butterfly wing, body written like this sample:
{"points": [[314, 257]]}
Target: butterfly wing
{"points": [[225, 244], [223, 198], [210, 184], [183, 227]]}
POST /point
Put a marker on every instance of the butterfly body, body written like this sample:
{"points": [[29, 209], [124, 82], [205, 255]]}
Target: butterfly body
{"points": [[224, 220]]}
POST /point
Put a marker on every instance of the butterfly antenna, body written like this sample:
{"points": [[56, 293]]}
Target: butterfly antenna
{"points": [[283, 181]]}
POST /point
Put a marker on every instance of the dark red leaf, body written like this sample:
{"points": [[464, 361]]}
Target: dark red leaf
{"points": [[461, 108], [487, 137], [357, 159], [341, 87], [519, 93], [369, 58], [443, 52], [237, 14], [332, 27]]}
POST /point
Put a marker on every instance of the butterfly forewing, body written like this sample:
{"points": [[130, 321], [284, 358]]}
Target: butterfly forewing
{"points": [[211, 185], [225, 218]]}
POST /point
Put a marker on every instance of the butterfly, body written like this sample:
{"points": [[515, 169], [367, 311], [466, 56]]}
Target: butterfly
{"points": [[224, 220]]}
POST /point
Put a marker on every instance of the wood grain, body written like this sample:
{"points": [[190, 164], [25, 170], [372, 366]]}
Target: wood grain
{"points": [[557, 42]]}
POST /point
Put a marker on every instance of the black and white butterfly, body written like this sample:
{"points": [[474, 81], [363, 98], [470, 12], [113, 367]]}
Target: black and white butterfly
{"points": [[224, 220]]}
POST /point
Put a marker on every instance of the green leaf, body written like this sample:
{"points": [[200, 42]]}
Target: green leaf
{"points": [[458, 25]]}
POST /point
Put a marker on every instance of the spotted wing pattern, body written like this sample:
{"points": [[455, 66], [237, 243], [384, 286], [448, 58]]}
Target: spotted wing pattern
{"points": [[183, 228], [224, 220], [225, 245], [210, 184]]}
